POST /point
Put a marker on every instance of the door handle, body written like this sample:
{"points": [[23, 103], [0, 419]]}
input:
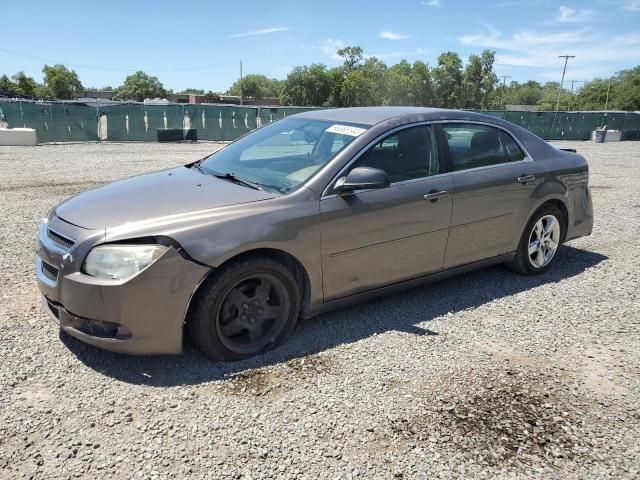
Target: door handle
{"points": [[434, 195], [526, 179]]}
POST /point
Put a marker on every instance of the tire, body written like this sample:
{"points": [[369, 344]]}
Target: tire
{"points": [[540, 260], [248, 307]]}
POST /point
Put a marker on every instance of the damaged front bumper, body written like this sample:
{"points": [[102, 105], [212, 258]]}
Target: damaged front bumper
{"points": [[143, 316]]}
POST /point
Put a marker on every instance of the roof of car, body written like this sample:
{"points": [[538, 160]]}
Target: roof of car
{"points": [[373, 115]]}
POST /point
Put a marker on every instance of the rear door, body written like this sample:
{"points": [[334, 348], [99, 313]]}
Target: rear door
{"points": [[492, 183], [378, 237]]}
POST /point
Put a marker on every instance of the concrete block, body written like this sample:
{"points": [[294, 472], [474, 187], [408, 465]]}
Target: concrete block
{"points": [[18, 137]]}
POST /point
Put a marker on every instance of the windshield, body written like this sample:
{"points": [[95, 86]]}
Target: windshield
{"points": [[284, 154]]}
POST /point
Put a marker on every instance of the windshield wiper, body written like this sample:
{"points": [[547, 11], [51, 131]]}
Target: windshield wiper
{"points": [[227, 176], [239, 180]]}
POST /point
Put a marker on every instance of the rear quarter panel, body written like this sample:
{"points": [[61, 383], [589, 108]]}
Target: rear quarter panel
{"points": [[565, 178]]}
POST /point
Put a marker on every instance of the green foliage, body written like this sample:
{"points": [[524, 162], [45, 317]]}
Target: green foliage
{"points": [[593, 95], [627, 90], [362, 80], [24, 84], [256, 86], [529, 93], [194, 91], [211, 97], [138, 87], [352, 58], [307, 86], [20, 84], [447, 77], [61, 82], [479, 81], [6, 84]]}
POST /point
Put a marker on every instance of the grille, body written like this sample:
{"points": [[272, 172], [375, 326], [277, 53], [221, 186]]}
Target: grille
{"points": [[49, 271], [59, 239]]}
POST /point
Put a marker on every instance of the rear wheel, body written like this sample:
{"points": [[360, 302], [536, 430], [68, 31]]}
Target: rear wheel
{"points": [[540, 241], [247, 308]]}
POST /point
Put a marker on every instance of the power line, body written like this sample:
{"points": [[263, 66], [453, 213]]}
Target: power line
{"points": [[94, 67]]}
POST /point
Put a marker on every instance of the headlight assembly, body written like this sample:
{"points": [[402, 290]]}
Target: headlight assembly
{"points": [[121, 262]]}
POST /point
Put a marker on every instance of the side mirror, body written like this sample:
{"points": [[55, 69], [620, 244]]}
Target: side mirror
{"points": [[361, 178]]}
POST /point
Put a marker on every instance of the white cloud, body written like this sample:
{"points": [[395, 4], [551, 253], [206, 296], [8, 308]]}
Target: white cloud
{"points": [[540, 49], [631, 5], [526, 39], [262, 31], [399, 54], [569, 15], [330, 46], [431, 3], [632, 38], [388, 35]]}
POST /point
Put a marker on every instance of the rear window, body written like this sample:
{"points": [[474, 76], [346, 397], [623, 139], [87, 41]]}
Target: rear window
{"points": [[514, 152]]}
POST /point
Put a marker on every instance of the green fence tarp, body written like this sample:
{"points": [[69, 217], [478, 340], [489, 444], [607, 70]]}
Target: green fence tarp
{"points": [[139, 122], [271, 114], [68, 121], [53, 122]]}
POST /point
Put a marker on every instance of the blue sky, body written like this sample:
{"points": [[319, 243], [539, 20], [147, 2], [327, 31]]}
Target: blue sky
{"points": [[198, 44]]}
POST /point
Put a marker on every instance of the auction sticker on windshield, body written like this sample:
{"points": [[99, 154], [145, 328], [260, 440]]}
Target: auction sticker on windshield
{"points": [[346, 130]]}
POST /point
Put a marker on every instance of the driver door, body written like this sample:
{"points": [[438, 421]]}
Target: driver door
{"points": [[373, 238]]}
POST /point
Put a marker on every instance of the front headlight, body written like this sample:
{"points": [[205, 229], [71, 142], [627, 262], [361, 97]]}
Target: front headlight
{"points": [[121, 262]]}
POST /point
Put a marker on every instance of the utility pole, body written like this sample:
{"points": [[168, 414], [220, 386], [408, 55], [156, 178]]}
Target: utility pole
{"points": [[240, 82], [566, 59], [606, 104], [504, 81], [571, 94]]}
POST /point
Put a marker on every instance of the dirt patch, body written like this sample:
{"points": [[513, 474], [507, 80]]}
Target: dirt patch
{"points": [[278, 378], [522, 418]]}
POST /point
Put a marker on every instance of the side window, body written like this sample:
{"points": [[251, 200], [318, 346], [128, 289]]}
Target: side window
{"points": [[513, 150], [405, 155], [473, 146]]}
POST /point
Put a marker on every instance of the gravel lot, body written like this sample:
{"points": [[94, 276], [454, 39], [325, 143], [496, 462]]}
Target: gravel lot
{"points": [[491, 374]]}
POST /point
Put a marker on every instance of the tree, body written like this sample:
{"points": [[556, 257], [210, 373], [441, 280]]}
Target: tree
{"points": [[550, 97], [528, 93], [352, 58], [24, 84], [211, 97], [61, 82], [422, 84], [139, 86], [366, 86], [627, 90], [478, 80], [256, 86], [448, 80], [401, 84], [593, 95], [6, 85], [194, 91], [337, 77], [307, 86]]}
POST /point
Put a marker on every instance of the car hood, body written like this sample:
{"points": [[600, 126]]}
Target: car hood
{"points": [[168, 192]]}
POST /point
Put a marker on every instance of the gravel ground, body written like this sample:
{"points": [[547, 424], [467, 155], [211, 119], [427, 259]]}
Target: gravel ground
{"points": [[491, 374]]}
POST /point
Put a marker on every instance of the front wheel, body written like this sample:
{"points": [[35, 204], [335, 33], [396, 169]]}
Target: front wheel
{"points": [[540, 241], [247, 308]]}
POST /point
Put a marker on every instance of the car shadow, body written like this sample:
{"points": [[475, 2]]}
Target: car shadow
{"points": [[405, 312]]}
